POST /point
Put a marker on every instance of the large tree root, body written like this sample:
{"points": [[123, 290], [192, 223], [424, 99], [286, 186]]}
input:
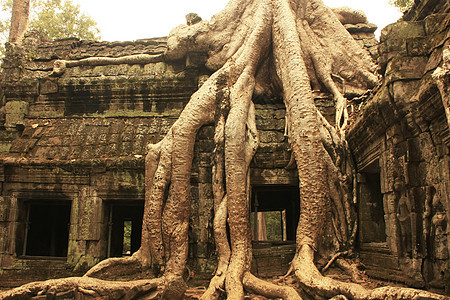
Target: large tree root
{"points": [[313, 282], [91, 288]]}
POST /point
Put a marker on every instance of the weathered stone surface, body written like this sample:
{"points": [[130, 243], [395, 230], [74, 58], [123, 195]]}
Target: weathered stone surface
{"points": [[347, 15], [271, 260], [49, 87], [417, 46], [89, 215], [422, 9], [15, 112], [435, 23], [400, 68], [361, 28], [402, 30], [401, 129]]}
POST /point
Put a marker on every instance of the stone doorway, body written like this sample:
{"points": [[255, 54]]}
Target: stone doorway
{"points": [[371, 209], [275, 210]]}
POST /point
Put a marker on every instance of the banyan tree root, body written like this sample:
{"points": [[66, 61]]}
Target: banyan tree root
{"points": [[92, 288], [313, 282], [60, 66], [275, 48]]}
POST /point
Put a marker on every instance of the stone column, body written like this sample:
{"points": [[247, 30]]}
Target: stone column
{"points": [[86, 228], [8, 227]]}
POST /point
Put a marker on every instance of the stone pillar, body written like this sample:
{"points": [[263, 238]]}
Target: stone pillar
{"points": [[8, 227], [86, 230]]}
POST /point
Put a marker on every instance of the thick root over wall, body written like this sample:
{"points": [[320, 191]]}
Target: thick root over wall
{"points": [[277, 48]]}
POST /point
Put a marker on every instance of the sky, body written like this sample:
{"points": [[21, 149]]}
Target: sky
{"points": [[140, 19]]}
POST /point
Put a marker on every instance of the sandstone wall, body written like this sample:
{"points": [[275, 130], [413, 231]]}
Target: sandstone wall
{"points": [[402, 138], [81, 137]]}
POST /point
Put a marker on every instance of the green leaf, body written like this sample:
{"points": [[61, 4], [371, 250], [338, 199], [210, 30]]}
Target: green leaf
{"points": [[402, 5], [55, 19]]}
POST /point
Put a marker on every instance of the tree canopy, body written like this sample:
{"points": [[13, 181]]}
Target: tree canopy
{"points": [[55, 19], [402, 5]]}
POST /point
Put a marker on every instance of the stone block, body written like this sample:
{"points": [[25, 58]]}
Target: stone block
{"points": [[357, 28], [270, 124], [155, 69], [22, 146], [194, 193], [387, 110], [379, 259], [438, 39], [205, 159], [15, 112], [4, 209], [205, 145], [416, 174], [434, 61], [273, 176], [403, 93], [263, 160], [5, 147], [49, 87], [392, 46], [347, 15], [426, 147], [402, 30], [205, 192], [271, 137], [417, 46], [434, 22], [6, 240], [263, 113], [135, 70], [363, 36], [405, 68]]}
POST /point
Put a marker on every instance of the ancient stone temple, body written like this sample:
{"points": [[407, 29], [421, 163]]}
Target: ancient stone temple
{"points": [[77, 116]]}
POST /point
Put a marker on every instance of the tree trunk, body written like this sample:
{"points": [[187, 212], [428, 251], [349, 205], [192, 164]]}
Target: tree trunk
{"points": [[19, 20]]}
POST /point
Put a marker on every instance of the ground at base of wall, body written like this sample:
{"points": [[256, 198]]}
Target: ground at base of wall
{"points": [[13, 278], [196, 285]]}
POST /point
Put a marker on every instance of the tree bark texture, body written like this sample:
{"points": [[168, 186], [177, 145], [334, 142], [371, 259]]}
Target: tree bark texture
{"points": [[19, 20]]}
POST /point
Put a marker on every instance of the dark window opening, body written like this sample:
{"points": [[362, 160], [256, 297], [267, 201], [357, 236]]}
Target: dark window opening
{"points": [[125, 228], [371, 210], [47, 229], [275, 211]]}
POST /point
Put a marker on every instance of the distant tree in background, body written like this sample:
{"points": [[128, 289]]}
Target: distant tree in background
{"points": [[55, 19], [402, 5]]}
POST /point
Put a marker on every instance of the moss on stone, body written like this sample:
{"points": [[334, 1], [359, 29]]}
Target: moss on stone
{"points": [[5, 147]]}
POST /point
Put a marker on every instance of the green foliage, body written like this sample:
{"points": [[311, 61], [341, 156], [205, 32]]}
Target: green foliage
{"points": [[55, 19], [127, 226], [273, 225], [402, 5]]}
